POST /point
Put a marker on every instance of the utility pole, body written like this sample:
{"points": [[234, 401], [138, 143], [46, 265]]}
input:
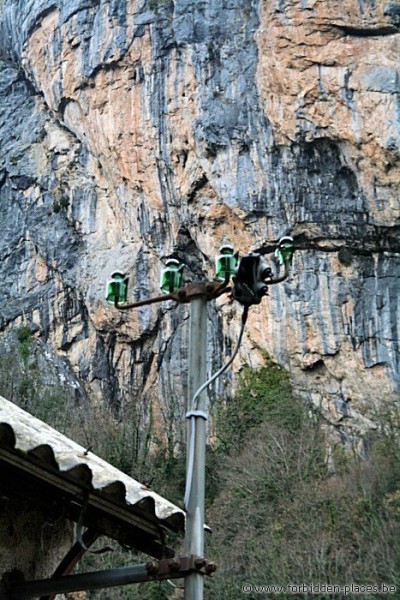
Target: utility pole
{"points": [[251, 278], [194, 537], [197, 294]]}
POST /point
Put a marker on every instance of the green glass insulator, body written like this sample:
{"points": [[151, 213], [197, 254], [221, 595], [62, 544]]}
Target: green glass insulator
{"points": [[226, 263], [285, 250], [171, 277], [117, 289]]}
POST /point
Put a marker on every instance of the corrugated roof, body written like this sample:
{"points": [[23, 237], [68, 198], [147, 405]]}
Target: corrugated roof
{"points": [[34, 441]]}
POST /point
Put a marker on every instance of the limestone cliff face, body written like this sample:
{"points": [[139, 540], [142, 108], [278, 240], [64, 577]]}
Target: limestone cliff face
{"points": [[133, 130]]}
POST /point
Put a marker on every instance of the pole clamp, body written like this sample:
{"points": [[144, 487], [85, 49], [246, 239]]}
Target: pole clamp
{"points": [[196, 414]]}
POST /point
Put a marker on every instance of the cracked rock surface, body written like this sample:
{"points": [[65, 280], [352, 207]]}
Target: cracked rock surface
{"points": [[136, 130]]}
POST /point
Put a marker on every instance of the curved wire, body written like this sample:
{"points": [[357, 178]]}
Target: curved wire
{"points": [[79, 535], [201, 389]]}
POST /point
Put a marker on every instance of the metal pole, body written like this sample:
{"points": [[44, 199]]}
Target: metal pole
{"points": [[84, 581], [194, 536]]}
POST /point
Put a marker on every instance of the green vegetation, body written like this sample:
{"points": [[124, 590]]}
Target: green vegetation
{"points": [[60, 197], [24, 341], [264, 395], [276, 513], [157, 4], [278, 516], [21, 382], [62, 203]]}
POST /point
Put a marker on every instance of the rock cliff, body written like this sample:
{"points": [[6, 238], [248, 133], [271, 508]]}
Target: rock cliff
{"points": [[135, 130]]}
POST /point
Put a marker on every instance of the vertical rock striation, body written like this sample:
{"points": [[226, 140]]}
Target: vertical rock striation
{"points": [[133, 130]]}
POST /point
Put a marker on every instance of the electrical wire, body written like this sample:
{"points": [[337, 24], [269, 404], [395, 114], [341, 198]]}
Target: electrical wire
{"points": [[79, 536], [178, 587], [196, 396]]}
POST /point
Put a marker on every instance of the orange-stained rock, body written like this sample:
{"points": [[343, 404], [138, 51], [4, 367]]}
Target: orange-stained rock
{"points": [[168, 131]]}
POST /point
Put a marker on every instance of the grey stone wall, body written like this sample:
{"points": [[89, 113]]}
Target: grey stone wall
{"points": [[32, 543]]}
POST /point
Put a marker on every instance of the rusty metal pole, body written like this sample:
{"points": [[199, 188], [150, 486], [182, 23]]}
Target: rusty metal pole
{"points": [[159, 570], [194, 536], [82, 581]]}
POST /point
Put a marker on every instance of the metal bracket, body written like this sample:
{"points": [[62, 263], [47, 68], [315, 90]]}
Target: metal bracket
{"points": [[209, 289], [279, 279], [170, 568], [197, 414]]}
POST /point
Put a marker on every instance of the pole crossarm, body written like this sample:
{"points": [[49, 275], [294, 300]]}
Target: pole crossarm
{"points": [[172, 568], [209, 289]]}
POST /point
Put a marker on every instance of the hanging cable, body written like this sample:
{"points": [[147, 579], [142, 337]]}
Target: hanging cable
{"points": [[79, 535], [194, 413]]}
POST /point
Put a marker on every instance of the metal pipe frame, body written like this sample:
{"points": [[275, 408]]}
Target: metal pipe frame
{"points": [[173, 568]]}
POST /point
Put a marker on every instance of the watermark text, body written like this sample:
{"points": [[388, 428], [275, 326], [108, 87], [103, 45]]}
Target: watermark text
{"points": [[326, 589]]}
